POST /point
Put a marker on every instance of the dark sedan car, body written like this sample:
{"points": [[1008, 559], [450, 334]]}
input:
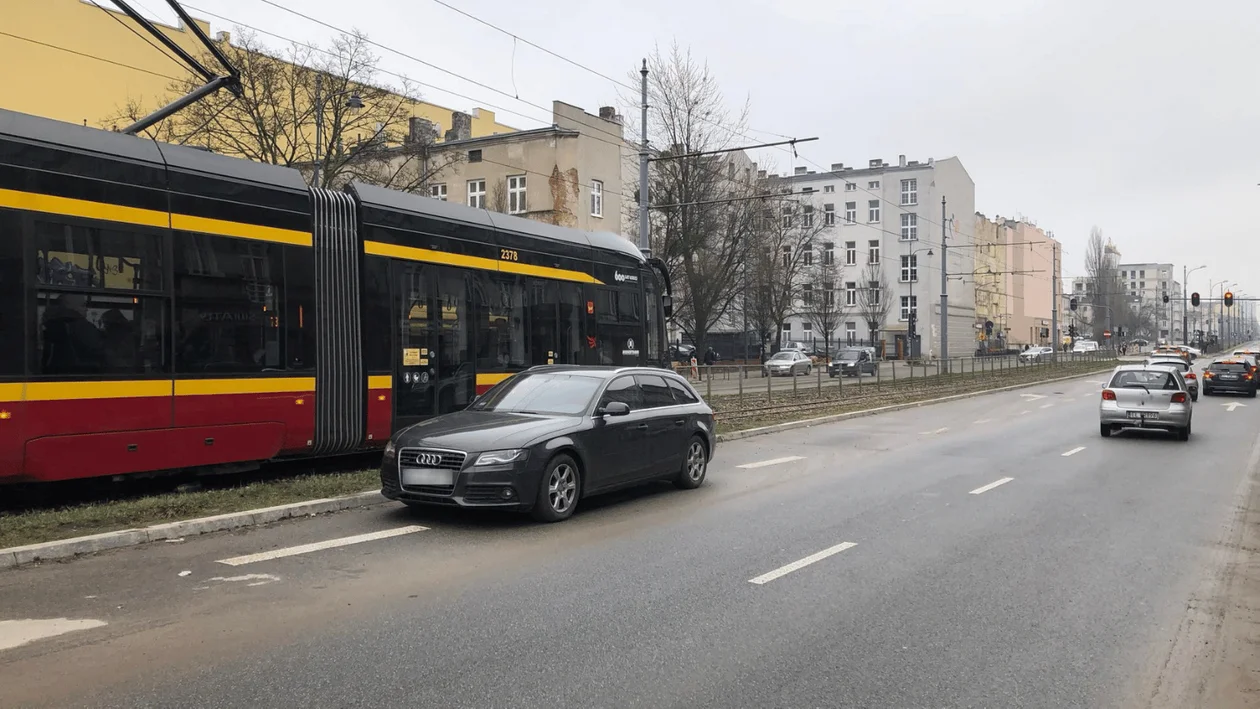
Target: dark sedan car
{"points": [[552, 435], [1230, 375]]}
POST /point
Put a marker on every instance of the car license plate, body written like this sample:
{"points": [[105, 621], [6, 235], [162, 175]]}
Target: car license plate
{"points": [[1143, 415], [1229, 376], [427, 476]]}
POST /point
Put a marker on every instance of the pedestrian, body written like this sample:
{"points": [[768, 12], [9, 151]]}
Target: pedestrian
{"points": [[695, 368]]}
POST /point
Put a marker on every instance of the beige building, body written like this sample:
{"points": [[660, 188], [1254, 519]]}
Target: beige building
{"points": [[1033, 267], [992, 296], [568, 174]]}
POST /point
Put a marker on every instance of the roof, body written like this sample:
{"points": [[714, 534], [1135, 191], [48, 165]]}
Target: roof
{"points": [[598, 370]]}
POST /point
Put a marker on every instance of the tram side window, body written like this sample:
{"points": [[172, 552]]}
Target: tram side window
{"points": [[99, 306], [378, 344], [11, 321], [618, 327], [227, 294], [502, 333], [299, 308]]}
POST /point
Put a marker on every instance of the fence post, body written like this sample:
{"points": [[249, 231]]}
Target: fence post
{"points": [[820, 373], [708, 376], [769, 379], [742, 373], [794, 392]]}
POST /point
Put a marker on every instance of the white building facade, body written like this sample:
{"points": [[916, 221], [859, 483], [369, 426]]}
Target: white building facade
{"points": [[1150, 282], [890, 215]]}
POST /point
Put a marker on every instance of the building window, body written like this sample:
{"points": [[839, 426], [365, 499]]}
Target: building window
{"points": [[787, 329], [876, 292], [477, 194], [438, 192], [1142, 273], [910, 268], [597, 198], [829, 296], [850, 212], [909, 304], [787, 256], [909, 192], [829, 215], [474, 156], [807, 328], [1142, 285], [850, 294], [807, 294], [850, 332], [873, 184], [829, 188], [808, 216], [909, 227], [850, 253], [787, 218], [872, 214], [829, 254], [850, 187], [809, 255], [516, 194], [872, 254]]}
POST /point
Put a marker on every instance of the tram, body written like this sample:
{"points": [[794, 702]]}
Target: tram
{"points": [[164, 308]]}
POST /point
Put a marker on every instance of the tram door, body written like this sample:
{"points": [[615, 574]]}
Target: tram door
{"points": [[434, 369]]}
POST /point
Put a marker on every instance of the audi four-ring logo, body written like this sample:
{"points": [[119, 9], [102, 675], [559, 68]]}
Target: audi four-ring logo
{"points": [[430, 459]]}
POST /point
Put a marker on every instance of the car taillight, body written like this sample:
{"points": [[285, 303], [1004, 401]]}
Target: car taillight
{"points": [[1109, 395], [1247, 376], [1208, 375], [1190, 375], [1179, 397]]}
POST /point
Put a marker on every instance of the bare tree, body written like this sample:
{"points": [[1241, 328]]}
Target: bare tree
{"points": [[365, 127], [874, 299], [824, 306], [1103, 289], [700, 233], [786, 234]]}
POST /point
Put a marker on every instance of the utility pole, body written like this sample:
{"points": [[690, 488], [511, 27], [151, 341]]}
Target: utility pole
{"points": [[645, 241], [944, 294], [319, 124], [1185, 316], [1054, 301]]}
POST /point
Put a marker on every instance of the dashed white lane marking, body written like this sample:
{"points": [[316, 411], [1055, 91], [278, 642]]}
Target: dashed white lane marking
{"points": [[982, 421], [1046, 406], [15, 633], [320, 546], [1073, 398], [990, 486], [1033, 397], [1074, 451], [932, 433], [1025, 411], [797, 565], [772, 461]]}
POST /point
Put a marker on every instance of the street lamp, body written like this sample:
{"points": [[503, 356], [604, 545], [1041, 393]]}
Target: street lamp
{"points": [[1185, 289], [353, 102]]}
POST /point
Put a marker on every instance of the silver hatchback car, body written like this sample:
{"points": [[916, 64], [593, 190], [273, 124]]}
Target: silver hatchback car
{"points": [[1147, 397]]}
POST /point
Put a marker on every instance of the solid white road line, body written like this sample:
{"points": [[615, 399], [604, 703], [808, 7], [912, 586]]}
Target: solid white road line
{"points": [[15, 633], [932, 433], [320, 546], [982, 421], [773, 461], [991, 485], [796, 565], [1046, 406], [1074, 451]]}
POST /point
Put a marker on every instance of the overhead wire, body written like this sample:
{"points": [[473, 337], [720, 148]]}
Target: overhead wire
{"points": [[147, 41], [89, 56]]}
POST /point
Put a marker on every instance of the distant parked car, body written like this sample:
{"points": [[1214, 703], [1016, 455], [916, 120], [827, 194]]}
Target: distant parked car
{"points": [[787, 363], [1084, 346], [853, 362], [1036, 353]]}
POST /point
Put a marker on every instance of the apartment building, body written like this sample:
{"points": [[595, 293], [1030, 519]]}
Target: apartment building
{"points": [[888, 216], [1149, 283]]}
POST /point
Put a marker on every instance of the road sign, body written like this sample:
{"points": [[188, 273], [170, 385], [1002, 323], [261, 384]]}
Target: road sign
{"points": [[1107, 334]]}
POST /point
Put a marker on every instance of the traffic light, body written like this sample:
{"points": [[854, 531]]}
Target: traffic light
{"points": [[988, 327], [1165, 298], [1194, 299], [1229, 299], [910, 323], [1072, 304]]}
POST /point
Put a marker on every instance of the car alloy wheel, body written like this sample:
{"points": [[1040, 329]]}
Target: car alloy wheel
{"points": [[695, 466], [558, 490]]}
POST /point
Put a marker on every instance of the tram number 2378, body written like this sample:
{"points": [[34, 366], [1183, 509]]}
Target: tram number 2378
{"points": [[509, 255]]}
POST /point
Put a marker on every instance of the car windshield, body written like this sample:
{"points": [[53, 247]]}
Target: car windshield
{"points": [[1230, 367], [1144, 379], [851, 354], [560, 393], [1178, 363], [783, 357]]}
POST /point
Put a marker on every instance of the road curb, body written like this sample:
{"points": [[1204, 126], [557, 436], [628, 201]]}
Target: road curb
{"points": [[833, 418], [67, 548]]}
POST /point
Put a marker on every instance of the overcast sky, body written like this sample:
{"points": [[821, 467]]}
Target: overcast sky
{"points": [[1139, 116]]}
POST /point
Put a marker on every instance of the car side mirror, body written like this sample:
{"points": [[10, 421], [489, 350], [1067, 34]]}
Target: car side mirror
{"points": [[667, 304], [613, 408]]}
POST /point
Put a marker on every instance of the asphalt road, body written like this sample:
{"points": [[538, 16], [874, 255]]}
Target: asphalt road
{"points": [[1063, 586]]}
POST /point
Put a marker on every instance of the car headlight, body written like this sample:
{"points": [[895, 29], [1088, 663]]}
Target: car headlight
{"points": [[389, 449], [501, 457]]}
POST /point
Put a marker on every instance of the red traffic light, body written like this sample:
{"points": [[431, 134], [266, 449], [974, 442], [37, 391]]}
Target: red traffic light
{"points": [[1194, 299], [1229, 298]]}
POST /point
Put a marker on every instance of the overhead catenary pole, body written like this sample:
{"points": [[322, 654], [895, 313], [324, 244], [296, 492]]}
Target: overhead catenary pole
{"points": [[944, 294], [1055, 340], [645, 242], [319, 125]]}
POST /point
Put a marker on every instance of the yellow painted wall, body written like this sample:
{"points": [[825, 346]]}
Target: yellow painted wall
{"points": [[46, 81]]}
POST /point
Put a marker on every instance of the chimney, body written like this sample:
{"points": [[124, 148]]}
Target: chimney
{"points": [[223, 37], [422, 131], [609, 113], [461, 126], [877, 162], [837, 166], [901, 160], [761, 174], [800, 171]]}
